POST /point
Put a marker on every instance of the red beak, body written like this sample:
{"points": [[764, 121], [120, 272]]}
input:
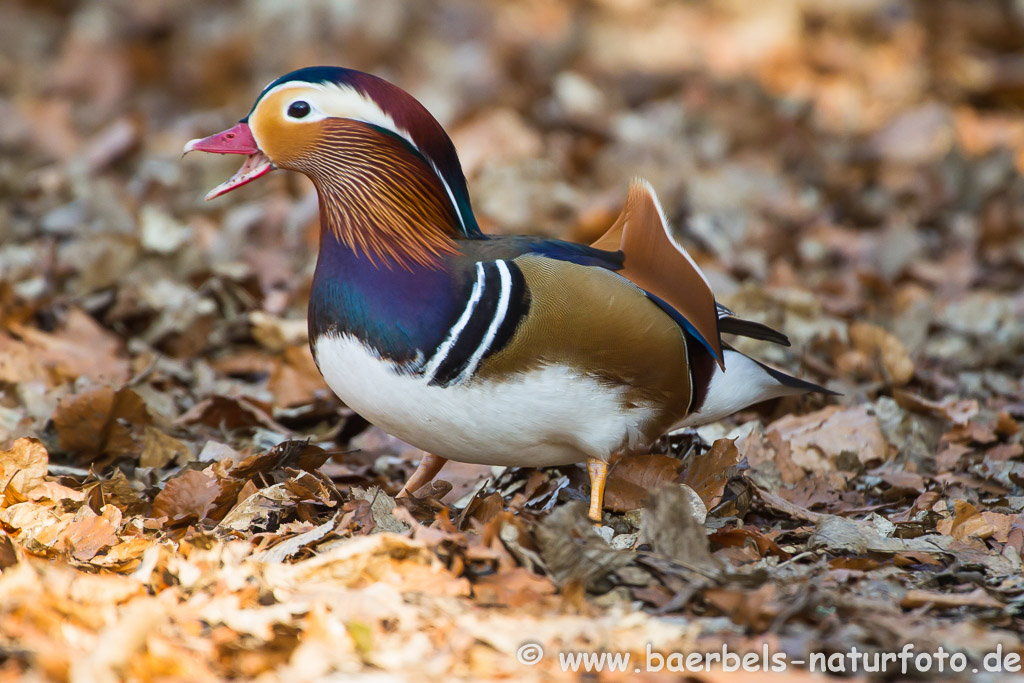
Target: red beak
{"points": [[235, 140]]}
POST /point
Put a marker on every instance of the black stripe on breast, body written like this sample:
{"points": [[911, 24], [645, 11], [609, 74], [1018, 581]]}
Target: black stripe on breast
{"points": [[472, 335], [518, 307]]}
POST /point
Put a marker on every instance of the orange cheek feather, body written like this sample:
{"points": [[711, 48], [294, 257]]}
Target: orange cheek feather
{"points": [[285, 142]]}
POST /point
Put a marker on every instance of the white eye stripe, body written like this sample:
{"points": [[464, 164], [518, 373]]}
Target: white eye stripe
{"points": [[315, 113], [342, 101]]}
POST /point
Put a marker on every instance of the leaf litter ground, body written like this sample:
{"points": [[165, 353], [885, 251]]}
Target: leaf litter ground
{"points": [[183, 499]]}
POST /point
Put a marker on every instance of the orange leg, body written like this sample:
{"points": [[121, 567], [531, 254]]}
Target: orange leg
{"points": [[429, 466], [598, 471]]}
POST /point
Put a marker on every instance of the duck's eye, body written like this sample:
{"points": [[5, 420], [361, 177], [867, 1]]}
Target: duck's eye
{"points": [[299, 109]]}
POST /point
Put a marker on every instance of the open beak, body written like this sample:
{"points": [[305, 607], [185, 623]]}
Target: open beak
{"points": [[235, 140]]}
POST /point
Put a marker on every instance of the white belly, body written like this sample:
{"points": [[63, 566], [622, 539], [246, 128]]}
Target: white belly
{"points": [[550, 416]]}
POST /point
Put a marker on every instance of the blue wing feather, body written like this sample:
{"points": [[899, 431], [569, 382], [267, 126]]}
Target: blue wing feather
{"points": [[578, 253], [681, 321]]}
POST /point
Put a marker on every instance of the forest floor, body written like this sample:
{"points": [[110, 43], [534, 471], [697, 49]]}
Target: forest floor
{"points": [[184, 499]]}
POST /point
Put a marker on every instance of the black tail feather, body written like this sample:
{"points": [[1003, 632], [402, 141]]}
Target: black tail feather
{"points": [[749, 328], [796, 382]]}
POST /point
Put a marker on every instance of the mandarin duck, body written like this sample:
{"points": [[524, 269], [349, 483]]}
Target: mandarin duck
{"points": [[490, 349]]}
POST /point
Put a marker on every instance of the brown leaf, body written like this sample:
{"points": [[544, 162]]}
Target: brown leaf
{"points": [[295, 454], [278, 334], [195, 495], [230, 413], [966, 523], [754, 609], [124, 557], [32, 522], [671, 528], [93, 423], [52, 491], [572, 550], [631, 479], [745, 536], [80, 348], [780, 504], [23, 467], [875, 342], [517, 587], [117, 491], [956, 411], [87, 535], [915, 598], [709, 473], [296, 380], [817, 440], [159, 449]]}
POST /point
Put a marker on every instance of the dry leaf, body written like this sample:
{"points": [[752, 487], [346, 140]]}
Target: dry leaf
{"points": [[93, 422], [89, 533], [296, 379], [159, 449], [965, 523], [516, 588], [23, 467], [81, 348], [195, 495], [875, 342], [231, 413], [915, 598], [817, 440], [631, 480], [708, 473]]}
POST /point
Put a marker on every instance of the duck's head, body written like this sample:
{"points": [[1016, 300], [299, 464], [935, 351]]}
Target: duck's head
{"points": [[355, 135]]}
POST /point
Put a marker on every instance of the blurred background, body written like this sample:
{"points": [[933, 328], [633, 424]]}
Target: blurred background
{"points": [[849, 171]]}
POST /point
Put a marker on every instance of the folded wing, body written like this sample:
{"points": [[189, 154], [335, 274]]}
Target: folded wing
{"points": [[661, 266]]}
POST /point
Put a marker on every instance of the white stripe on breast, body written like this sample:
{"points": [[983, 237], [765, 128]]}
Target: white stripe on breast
{"points": [[453, 336], [499, 316]]}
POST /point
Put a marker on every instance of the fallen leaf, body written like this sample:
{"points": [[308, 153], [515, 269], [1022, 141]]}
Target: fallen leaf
{"points": [[631, 479], [817, 440], [708, 473], [79, 348], [671, 528], [231, 413], [516, 588], [916, 598], [93, 422], [23, 467], [195, 495], [160, 449], [753, 609], [965, 523], [572, 550], [955, 410], [296, 379], [32, 522], [841, 536], [52, 491], [86, 535], [289, 546], [744, 536], [254, 511], [362, 561]]}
